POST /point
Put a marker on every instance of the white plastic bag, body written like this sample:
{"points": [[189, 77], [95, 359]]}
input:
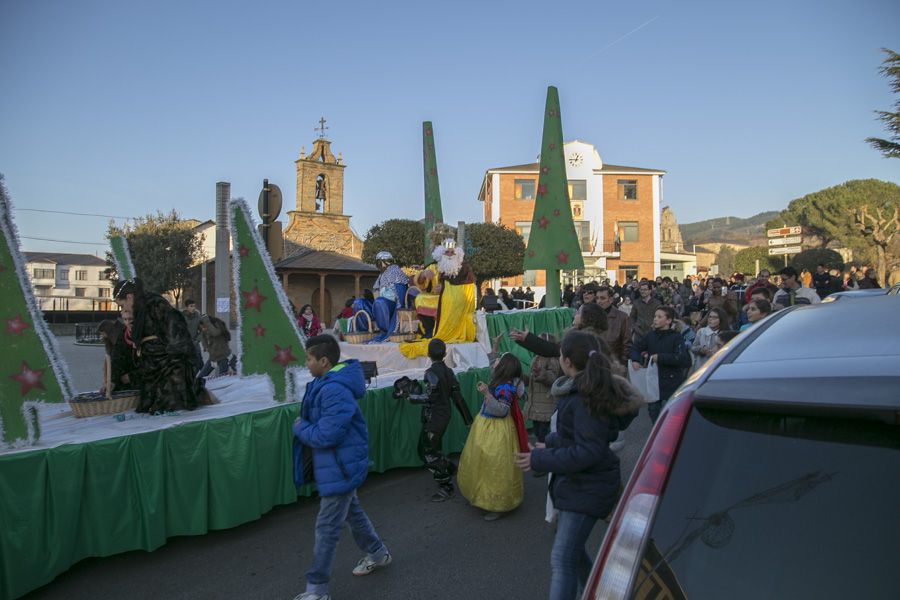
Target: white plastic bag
{"points": [[646, 380]]}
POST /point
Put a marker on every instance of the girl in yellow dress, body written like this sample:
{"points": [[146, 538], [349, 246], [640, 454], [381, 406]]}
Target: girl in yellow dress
{"points": [[488, 477]]}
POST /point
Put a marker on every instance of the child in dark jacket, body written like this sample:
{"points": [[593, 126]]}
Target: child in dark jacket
{"points": [[664, 347], [586, 474], [331, 425]]}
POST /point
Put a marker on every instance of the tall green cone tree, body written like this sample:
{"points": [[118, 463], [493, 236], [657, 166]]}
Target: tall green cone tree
{"points": [[122, 257], [31, 367], [269, 341], [433, 212], [553, 243]]}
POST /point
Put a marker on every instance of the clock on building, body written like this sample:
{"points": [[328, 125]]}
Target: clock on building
{"points": [[575, 159]]}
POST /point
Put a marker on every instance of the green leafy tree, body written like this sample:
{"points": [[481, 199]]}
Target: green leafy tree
{"points": [[493, 251], [401, 237], [860, 214], [810, 259], [725, 260], [163, 248], [890, 148], [745, 261]]}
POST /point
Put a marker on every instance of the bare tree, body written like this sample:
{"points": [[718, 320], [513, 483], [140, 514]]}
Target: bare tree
{"points": [[880, 229]]}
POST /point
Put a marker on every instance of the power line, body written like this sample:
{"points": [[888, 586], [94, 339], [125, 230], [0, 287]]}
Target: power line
{"points": [[25, 237], [63, 212]]}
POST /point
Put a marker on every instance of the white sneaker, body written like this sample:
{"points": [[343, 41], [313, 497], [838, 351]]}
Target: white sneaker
{"points": [[312, 596], [366, 565], [618, 444]]}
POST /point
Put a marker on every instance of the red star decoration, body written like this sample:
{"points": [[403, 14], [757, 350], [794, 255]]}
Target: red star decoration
{"points": [[428, 132], [552, 112], [562, 258], [552, 146], [556, 212], [29, 379], [433, 172], [253, 299], [243, 251], [543, 222], [283, 356], [259, 331], [545, 170], [542, 189], [531, 253], [2, 268], [16, 325]]}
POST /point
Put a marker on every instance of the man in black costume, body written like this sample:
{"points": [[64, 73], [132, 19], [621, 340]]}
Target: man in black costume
{"points": [[165, 352], [441, 387]]}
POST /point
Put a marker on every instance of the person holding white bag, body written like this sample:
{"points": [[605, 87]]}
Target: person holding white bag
{"points": [[662, 346]]}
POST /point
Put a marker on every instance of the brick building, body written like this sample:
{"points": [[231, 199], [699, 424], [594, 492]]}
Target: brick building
{"points": [[616, 210]]}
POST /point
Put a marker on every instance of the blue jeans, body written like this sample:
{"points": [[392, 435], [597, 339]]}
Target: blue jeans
{"points": [[569, 560], [333, 512]]}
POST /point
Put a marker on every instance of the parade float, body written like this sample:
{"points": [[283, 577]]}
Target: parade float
{"points": [[73, 488]]}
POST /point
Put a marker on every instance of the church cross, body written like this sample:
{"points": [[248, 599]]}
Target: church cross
{"points": [[321, 128]]}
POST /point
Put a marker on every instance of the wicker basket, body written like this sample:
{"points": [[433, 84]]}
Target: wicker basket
{"points": [[92, 404], [359, 337], [407, 326], [407, 319]]}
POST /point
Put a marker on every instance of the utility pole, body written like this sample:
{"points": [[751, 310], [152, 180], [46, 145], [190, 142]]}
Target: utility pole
{"points": [[223, 257]]}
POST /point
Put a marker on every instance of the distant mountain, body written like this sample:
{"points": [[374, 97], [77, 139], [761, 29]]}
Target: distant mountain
{"points": [[748, 231]]}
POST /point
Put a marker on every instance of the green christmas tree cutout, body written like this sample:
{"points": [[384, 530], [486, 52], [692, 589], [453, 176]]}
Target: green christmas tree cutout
{"points": [[433, 212], [553, 242], [122, 257], [31, 367], [269, 341]]}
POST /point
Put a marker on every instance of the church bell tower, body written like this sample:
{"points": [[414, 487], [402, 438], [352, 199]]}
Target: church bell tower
{"points": [[319, 221]]}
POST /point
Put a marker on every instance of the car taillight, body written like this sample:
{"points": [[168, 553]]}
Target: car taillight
{"points": [[619, 556]]}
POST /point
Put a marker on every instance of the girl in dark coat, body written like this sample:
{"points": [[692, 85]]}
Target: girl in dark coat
{"points": [[586, 474], [664, 347]]}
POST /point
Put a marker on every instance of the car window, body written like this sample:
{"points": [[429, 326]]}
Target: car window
{"points": [[775, 506], [817, 334]]}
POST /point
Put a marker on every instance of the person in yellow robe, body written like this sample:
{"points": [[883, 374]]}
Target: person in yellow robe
{"points": [[454, 320]]}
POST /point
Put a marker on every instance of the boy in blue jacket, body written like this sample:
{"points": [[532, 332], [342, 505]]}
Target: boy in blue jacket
{"points": [[331, 430]]}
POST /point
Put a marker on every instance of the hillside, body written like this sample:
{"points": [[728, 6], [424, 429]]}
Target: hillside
{"points": [[728, 229]]}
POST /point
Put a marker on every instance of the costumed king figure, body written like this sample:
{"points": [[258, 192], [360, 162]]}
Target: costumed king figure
{"points": [[441, 387], [165, 353], [391, 287], [455, 301]]}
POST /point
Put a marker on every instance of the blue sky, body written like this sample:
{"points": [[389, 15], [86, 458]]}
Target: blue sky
{"points": [[121, 108]]}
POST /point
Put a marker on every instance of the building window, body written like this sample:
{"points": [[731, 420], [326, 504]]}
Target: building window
{"points": [[629, 271], [44, 274], [80, 275], [577, 189], [102, 276], [627, 189], [524, 230], [583, 231], [529, 278], [62, 274], [524, 189], [103, 292], [629, 231], [42, 290], [80, 292]]}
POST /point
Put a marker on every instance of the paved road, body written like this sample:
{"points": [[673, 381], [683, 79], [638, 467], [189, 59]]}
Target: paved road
{"points": [[440, 550]]}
